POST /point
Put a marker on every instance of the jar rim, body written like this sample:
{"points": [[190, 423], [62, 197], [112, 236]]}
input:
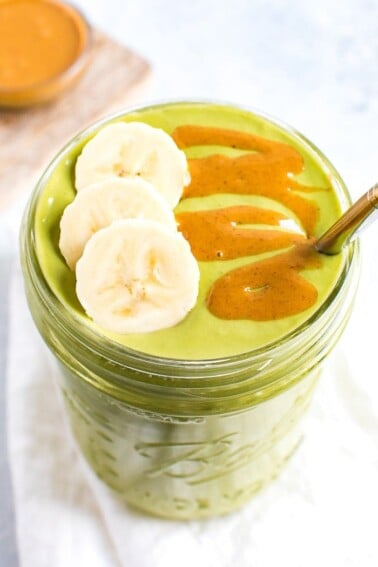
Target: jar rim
{"points": [[91, 334], [190, 373]]}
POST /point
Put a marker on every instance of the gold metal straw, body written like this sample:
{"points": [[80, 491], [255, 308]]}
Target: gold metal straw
{"points": [[349, 223]]}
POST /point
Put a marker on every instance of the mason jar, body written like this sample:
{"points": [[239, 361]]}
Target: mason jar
{"points": [[184, 438]]}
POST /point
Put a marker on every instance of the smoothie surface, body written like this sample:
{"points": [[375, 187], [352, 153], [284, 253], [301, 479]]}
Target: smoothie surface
{"points": [[270, 177]]}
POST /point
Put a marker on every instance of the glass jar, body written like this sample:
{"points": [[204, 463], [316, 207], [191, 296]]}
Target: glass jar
{"points": [[185, 438]]}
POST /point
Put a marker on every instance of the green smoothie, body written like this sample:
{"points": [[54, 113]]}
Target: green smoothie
{"points": [[202, 335], [192, 420]]}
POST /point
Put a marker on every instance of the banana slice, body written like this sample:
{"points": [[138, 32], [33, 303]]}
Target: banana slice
{"points": [[137, 276], [100, 204], [125, 149]]}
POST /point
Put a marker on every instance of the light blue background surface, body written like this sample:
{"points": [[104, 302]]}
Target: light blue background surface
{"points": [[313, 64]]}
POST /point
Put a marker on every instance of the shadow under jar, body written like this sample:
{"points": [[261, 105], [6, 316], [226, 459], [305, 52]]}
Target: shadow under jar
{"points": [[183, 438]]}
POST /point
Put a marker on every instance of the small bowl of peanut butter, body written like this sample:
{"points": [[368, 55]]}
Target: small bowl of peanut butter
{"points": [[44, 49]]}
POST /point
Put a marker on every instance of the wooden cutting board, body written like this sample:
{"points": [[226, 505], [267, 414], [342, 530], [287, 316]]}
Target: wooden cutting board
{"points": [[29, 138]]}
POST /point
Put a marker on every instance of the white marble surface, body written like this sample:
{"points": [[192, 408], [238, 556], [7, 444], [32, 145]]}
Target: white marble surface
{"points": [[313, 64]]}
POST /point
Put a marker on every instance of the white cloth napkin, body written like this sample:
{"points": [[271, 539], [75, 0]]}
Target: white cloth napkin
{"points": [[323, 510]]}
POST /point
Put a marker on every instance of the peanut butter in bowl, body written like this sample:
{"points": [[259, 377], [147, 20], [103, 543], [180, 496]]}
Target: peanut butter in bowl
{"points": [[44, 49]]}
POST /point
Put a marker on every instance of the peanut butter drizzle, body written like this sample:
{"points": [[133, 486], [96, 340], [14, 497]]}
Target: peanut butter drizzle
{"points": [[216, 234], [267, 289], [267, 170]]}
